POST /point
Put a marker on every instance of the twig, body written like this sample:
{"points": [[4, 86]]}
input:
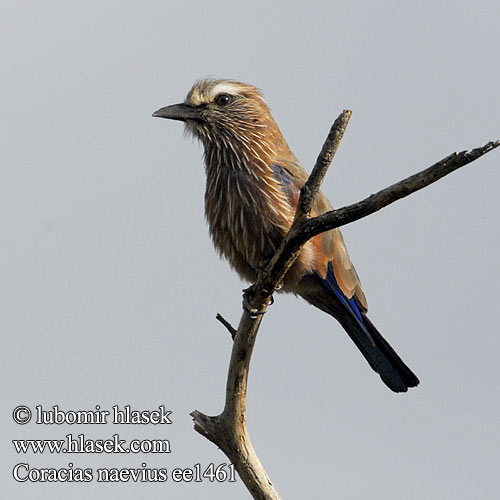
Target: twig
{"points": [[325, 157], [230, 328]]}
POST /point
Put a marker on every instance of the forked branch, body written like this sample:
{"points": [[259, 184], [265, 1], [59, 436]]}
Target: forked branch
{"points": [[228, 430]]}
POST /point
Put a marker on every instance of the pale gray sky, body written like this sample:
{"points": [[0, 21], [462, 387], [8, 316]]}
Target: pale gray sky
{"points": [[110, 285]]}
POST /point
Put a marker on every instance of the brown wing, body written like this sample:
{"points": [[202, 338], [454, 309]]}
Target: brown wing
{"points": [[330, 245]]}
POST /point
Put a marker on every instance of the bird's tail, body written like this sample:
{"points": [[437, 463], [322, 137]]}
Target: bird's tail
{"points": [[377, 351], [380, 355]]}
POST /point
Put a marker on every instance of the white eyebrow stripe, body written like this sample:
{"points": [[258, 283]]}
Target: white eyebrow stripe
{"points": [[224, 87]]}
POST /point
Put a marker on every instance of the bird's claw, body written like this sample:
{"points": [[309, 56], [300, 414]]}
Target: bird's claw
{"points": [[248, 294], [254, 313]]}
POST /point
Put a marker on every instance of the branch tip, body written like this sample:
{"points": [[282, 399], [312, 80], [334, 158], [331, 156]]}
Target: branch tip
{"points": [[325, 157], [230, 328]]}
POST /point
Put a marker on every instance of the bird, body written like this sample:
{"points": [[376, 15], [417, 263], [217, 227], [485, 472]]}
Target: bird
{"points": [[253, 182]]}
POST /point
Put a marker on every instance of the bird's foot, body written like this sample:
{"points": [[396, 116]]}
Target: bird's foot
{"points": [[248, 295], [254, 313]]}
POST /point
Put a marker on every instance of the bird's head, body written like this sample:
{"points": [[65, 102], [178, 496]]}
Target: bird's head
{"points": [[221, 111]]}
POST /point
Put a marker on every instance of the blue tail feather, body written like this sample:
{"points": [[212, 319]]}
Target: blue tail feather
{"points": [[331, 283]]}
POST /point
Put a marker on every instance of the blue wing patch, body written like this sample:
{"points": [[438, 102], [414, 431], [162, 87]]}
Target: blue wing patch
{"points": [[285, 179]]}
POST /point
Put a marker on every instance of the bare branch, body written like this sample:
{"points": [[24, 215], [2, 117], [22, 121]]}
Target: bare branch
{"points": [[304, 229], [375, 202]]}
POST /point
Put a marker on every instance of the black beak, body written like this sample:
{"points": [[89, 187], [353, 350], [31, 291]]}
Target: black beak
{"points": [[181, 112]]}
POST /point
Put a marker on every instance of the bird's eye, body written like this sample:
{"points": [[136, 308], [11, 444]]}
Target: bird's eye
{"points": [[223, 99]]}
